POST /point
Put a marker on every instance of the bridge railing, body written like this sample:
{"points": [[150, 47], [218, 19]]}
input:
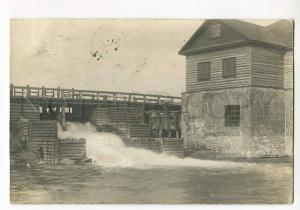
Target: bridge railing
{"points": [[70, 94]]}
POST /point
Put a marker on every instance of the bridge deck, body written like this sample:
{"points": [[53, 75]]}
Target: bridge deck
{"points": [[74, 94]]}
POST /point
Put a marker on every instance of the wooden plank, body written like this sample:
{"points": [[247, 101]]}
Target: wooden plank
{"points": [[267, 67], [243, 62]]}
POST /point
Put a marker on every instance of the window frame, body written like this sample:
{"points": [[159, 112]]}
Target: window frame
{"points": [[212, 31], [198, 71], [232, 112], [223, 68]]}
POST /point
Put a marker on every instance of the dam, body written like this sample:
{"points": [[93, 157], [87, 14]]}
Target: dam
{"points": [[144, 121]]}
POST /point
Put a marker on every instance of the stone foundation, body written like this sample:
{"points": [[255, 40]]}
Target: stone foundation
{"points": [[261, 129]]}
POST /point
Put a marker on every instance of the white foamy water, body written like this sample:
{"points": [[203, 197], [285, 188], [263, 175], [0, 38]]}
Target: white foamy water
{"points": [[108, 150]]}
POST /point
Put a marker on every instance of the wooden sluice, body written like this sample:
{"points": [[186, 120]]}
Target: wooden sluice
{"points": [[129, 115]]}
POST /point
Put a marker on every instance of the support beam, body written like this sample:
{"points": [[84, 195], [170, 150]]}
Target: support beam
{"points": [[63, 116]]}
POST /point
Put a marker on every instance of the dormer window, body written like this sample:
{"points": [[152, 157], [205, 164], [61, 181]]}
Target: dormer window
{"points": [[215, 31]]}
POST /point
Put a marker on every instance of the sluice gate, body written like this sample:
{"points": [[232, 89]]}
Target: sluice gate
{"points": [[136, 118]]}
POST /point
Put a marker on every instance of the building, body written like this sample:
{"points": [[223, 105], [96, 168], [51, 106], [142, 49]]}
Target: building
{"points": [[239, 88]]}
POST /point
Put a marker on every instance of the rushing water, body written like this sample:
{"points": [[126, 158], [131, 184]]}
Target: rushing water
{"points": [[128, 175]]}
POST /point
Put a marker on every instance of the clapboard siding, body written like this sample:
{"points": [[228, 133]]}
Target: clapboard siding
{"points": [[288, 69], [267, 67], [243, 68]]}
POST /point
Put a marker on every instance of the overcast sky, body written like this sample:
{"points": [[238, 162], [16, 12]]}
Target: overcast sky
{"points": [[112, 55]]}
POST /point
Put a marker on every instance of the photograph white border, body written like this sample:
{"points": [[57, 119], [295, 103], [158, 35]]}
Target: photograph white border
{"points": [[177, 9]]}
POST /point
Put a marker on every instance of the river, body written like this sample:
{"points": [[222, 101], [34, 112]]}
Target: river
{"points": [[128, 175]]}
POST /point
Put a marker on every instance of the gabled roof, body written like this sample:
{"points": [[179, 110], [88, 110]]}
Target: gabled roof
{"points": [[278, 34]]}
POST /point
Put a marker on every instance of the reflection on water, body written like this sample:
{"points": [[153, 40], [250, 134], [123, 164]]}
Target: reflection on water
{"points": [[263, 183]]}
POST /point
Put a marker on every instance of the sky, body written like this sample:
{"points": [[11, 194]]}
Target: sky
{"points": [[102, 54]]}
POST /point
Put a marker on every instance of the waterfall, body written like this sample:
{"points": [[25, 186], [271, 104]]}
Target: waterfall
{"points": [[108, 150]]}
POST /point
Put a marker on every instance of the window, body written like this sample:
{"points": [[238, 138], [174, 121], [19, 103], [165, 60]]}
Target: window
{"points": [[215, 31], [229, 67], [232, 115], [203, 71]]}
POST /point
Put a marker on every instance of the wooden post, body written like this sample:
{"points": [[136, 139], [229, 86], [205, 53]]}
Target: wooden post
{"points": [[115, 97], [11, 90], [29, 140], [168, 123], [129, 98], [80, 95], [98, 96], [160, 133], [63, 116], [27, 91], [143, 116], [73, 93], [43, 92], [58, 92], [158, 124], [150, 122], [62, 94]]}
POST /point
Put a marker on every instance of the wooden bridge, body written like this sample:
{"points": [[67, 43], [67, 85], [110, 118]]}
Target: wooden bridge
{"points": [[90, 95]]}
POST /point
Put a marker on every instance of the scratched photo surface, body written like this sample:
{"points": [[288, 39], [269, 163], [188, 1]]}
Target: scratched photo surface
{"points": [[151, 111]]}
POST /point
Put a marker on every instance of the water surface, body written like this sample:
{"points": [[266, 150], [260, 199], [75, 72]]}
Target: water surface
{"points": [[262, 183], [130, 175]]}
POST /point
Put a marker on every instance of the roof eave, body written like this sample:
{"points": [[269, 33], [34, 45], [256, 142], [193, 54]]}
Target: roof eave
{"points": [[187, 52]]}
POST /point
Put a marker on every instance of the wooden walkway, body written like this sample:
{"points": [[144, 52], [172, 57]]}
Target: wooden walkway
{"points": [[89, 95]]}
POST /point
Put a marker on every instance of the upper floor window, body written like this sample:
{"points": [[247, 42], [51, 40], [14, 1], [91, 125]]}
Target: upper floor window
{"points": [[229, 67], [215, 31], [203, 71]]}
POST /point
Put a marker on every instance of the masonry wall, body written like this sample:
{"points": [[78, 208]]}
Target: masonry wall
{"points": [[203, 122], [268, 124], [289, 121]]}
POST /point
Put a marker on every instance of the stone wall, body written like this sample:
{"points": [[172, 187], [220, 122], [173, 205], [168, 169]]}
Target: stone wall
{"points": [[261, 130], [289, 121], [267, 126]]}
